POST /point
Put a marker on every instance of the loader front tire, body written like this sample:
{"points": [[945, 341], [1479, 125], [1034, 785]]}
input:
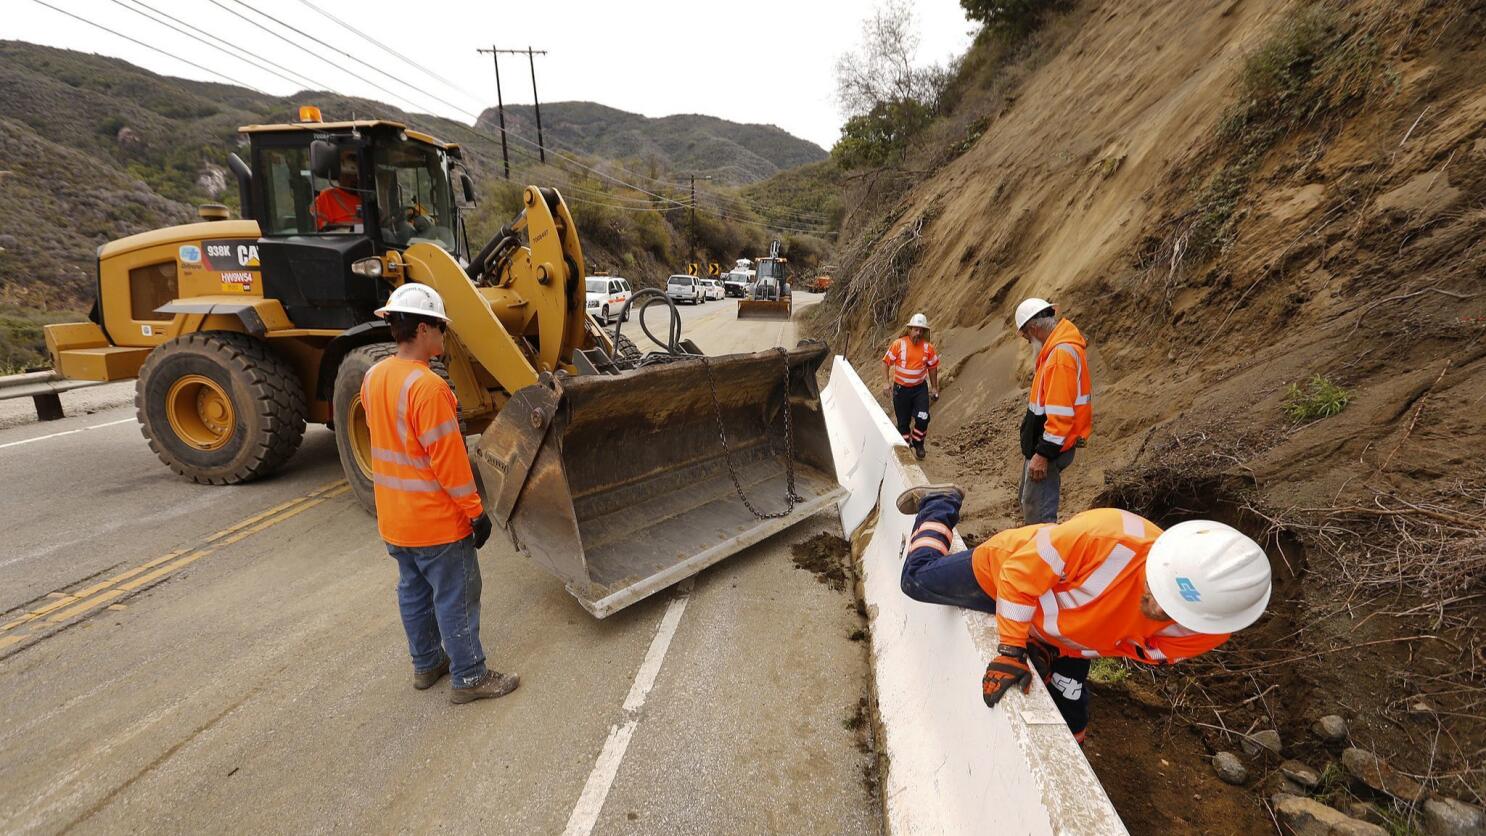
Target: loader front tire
{"points": [[220, 407], [352, 435]]}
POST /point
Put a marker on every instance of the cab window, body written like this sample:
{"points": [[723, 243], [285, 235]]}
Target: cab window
{"points": [[291, 195], [413, 191]]}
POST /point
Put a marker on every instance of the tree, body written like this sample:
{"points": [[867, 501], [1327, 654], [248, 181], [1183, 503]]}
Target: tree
{"points": [[886, 96], [1012, 19]]}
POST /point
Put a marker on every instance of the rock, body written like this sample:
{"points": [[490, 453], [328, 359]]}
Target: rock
{"points": [[1377, 774], [1365, 812], [127, 137], [1259, 742], [212, 179], [1301, 774], [1309, 817], [1230, 768], [1331, 728], [1451, 817]]}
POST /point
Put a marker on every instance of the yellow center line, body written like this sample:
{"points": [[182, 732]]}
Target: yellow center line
{"points": [[106, 591]]}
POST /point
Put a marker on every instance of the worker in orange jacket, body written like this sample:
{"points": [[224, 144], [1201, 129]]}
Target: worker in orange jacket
{"points": [[912, 366], [1105, 582], [1060, 414], [339, 206], [428, 510]]}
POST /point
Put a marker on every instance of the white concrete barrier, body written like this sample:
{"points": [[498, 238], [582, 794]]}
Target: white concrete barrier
{"points": [[951, 765], [862, 439]]}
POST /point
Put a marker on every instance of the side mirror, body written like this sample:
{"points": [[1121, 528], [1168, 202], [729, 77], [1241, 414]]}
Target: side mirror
{"points": [[325, 159], [467, 183]]}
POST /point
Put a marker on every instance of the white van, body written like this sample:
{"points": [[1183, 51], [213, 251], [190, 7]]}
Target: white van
{"points": [[683, 288], [714, 289], [606, 297]]}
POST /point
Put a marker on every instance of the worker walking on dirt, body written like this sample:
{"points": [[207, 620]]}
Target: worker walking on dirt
{"points": [[912, 366], [1104, 583], [428, 510], [1059, 412]]}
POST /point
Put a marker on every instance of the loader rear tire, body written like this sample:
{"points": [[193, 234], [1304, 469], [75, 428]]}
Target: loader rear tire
{"points": [[352, 435], [220, 407]]}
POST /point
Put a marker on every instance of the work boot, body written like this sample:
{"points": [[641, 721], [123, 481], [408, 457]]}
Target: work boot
{"points": [[492, 684], [423, 680], [919, 452], [910, 500]]}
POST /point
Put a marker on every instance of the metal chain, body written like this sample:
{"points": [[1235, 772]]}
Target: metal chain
{"points": [[790, 496]]}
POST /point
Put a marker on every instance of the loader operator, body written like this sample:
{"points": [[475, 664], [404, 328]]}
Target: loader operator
{"points": [[428, 510], [1104, 583], [912, 366], [340, 205], [1059, 413]]}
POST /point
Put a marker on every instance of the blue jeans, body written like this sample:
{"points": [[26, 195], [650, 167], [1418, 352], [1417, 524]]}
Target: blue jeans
{"points": [[1040, 499], [438, 593], [932, 575]]}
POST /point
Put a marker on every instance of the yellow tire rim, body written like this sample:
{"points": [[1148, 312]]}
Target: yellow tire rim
{"points": [[359, 435], [200, 412]]}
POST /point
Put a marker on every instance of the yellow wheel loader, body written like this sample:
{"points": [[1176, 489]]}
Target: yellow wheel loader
{"points": [[619, 472]]}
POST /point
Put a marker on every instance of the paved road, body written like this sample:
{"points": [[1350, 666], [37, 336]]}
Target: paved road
{"points": [[175, 657]]}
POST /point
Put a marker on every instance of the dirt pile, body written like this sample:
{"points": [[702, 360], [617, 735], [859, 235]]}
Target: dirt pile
{"points": [[826, 556], [1231, 200]]}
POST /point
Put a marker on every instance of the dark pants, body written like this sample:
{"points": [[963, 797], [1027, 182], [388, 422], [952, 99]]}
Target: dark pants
{"points": [[932, 575], [1040, 499], [438, 594], [911, 406]]}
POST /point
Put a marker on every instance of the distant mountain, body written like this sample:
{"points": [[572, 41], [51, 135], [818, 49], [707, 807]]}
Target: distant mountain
{"points": [[731, 152]]}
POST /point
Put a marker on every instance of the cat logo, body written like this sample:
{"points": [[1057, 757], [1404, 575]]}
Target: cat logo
{"points": [[231, 255], [247, 255]]}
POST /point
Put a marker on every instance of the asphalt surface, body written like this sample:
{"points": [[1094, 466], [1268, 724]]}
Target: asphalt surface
{"points": [[177, 657]]}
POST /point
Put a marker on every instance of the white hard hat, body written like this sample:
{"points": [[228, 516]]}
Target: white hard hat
{"points": [[1208, 576], [414, 298], [1029, 308], [918, 320]]}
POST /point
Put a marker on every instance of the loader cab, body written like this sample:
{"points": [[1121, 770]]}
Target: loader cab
{"points": [[326, 195]]}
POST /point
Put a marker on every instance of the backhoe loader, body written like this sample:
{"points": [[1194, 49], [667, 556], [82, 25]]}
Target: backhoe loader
{"points": [[770, 297], [619, 472]]}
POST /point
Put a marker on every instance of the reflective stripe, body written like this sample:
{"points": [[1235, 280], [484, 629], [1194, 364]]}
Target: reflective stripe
{"points": [[1078, 370], [1080, 400], [1099, 580], [937, 527], [1134, 526], [430, 436], [399, 458], [1155, 654], [1175, 630], [1055, 439], [462, 490], [402, 405], [411, 485], [1035, 408], [928, 543], [1049, 553], [1059, 410], [1015, 611]]}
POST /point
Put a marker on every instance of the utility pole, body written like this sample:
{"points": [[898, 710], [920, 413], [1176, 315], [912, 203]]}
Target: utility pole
{"points": [[500, 108], [536, 102], [694, 178]]}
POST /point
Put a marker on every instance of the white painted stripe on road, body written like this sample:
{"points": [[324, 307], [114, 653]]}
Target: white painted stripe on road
{"points": [[66, 432], [586, 813]]}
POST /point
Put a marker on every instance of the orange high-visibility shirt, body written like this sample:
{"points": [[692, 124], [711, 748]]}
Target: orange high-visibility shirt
{"points": [[1077, 586], [336, 205], [425, 489], [1062, 389], [910, 362]]}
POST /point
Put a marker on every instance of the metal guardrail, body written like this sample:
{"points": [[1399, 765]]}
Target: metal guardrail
{"points": [[42, 388]]}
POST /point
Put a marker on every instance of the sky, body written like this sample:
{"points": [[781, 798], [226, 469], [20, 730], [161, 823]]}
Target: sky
{"points": [[765, 61]]}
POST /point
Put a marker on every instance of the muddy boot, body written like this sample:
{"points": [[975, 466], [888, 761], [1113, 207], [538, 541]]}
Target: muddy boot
{"points": [[919, 452], [909, 500], [423, 680], [492, 684]]}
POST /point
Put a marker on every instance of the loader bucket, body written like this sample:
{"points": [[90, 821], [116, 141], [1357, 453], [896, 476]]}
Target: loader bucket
{"points": [[619, 486], [763, 309]]}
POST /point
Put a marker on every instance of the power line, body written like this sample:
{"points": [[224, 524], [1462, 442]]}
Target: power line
{"points": [[390, 51], [185, 29], [172, 56]]}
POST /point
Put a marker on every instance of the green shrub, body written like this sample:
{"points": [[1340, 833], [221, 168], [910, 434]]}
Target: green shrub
{"points": [[1108, 671], [1319, 398], [879, 136], [1012, 19]]}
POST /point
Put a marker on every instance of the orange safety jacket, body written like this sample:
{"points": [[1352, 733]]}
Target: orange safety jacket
{"points": [[1077, 586], [421, 473], [336, 205], [910, 362], [1061, 396]]}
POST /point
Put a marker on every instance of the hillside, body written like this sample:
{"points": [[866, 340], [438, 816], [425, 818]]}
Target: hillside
{"points": [[1241, 204], [94, 148], [690, 143]]}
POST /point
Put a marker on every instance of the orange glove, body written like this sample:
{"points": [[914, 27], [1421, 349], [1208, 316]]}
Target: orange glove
{"points": [[1006, 671]]}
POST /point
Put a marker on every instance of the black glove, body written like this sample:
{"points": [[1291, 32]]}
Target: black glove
{"points": [[482, 527], [1006, 671], [1041, 656]]}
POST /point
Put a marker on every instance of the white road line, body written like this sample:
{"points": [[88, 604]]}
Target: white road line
{"points": [[66, 432], [586, 813]]}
